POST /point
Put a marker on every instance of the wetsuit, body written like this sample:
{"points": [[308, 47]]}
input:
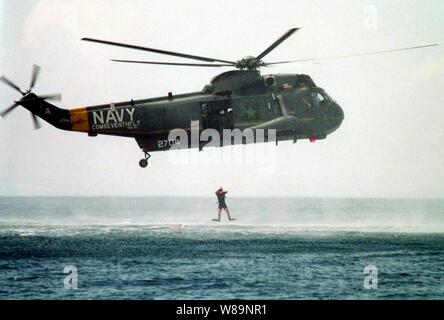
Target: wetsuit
{"points": [[221, 199]]}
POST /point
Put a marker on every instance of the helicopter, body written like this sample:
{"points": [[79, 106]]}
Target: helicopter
{"points": [[291, 104]]}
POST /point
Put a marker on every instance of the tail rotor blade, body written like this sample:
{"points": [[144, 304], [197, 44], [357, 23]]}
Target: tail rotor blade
{"points": [[8, 110], [11, 84], [34, 76], [55, 97], [35, 121]]}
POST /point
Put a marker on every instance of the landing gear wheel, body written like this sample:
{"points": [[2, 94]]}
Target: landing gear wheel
{"points": [[143, 163]]}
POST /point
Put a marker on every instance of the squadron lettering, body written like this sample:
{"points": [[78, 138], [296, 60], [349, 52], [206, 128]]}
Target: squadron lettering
{"points": [[114, 118]]}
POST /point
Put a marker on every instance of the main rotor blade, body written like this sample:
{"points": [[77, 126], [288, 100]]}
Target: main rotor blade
{"points": [[10, 83], [353, 55], [8, 110], [35, 121], [290, 61], [378, 52], [34, 76], [276, 43], [55, 96], [171, 53], [175, 64]]}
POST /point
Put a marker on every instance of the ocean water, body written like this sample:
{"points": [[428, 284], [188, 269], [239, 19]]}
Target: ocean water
{"points": [[168, 248]]}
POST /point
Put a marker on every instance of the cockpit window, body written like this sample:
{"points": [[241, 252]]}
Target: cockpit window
{"points": [[327, 96], [320, 97]]}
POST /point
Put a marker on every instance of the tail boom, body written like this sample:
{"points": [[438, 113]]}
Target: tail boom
{"points": [[71, 120]]}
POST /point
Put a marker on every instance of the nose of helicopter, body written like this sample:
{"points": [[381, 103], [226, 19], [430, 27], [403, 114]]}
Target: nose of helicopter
{"points": [[337, 116]]}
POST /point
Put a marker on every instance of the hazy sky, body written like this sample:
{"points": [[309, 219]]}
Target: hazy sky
{"points": [[389, 145]]}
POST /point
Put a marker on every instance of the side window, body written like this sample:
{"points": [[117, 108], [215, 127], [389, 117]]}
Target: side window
{"points": [[290, 102]]}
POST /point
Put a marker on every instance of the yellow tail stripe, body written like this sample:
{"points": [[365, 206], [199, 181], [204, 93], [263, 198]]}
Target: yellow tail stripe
{"points": [[79, 119]]}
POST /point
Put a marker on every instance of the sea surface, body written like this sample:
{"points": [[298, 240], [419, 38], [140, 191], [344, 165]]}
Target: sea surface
{"points": [[168, 248]]}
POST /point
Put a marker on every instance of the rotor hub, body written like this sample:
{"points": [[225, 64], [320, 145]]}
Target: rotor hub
{"points": [[249, 63]]}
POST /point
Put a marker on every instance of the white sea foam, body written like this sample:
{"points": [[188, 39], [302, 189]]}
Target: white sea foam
{"points": [[30, 216]]}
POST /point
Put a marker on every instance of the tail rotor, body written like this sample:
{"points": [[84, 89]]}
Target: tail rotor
{"points": [[28, 95]]}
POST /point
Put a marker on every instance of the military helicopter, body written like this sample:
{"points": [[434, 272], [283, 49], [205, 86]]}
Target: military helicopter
{"points": [[291, 104]]}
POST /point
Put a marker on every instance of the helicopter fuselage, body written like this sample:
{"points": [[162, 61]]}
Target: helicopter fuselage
{"points": [[291, 104]]}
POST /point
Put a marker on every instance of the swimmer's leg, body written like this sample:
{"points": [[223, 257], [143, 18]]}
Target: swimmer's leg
{"points": [[218, 213], [228, 213]]}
